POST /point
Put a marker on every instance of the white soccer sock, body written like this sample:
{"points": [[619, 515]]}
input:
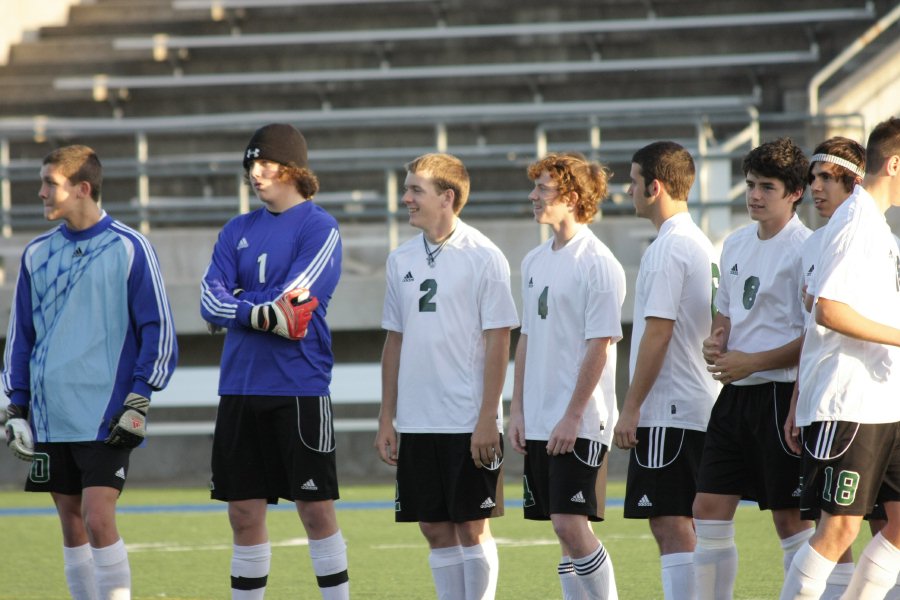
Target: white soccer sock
{"points": [[481, 566], [571, 588], [838, 580], [876, 571], [807, 576], [112, 572], [678, 575], [596, 575], [250, 571], [447, 571], [79, 570], [790, 545], [715, 559], [329, 559]]}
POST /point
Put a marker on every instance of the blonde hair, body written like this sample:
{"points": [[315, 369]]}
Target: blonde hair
{"points": [[447, 172]]}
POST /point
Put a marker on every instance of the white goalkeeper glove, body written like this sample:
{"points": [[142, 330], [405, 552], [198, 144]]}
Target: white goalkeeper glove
{"points": [[287, 316], [129, 428], [18, 432]]}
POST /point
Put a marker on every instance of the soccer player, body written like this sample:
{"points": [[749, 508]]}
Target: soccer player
{"points": [[90, 339], [269, 282], [753, 350], [564, 402], [671, 394], [848, 383], [836, 167], [448, 311]]}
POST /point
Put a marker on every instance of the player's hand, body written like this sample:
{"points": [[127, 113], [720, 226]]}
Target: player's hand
{"points": [[791, 431], [485, 445], [562, 438], [386, 444], [18, 432], [287, 316], [516, 432], [625, 432], [129, 428], [731, 366], [212, 328], [714, 345]]}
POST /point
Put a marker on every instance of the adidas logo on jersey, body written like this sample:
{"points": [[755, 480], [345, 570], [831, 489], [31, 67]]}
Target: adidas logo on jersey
{"points": [[579, 498], [734, 269], [530, 282], [78, 252], [243, 244], [310, 486], [408, 278], [488, 503], [645, 501], [121, 473]]}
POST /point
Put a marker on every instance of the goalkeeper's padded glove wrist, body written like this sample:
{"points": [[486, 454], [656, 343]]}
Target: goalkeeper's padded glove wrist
{"points": [[287, 316], [129, 427], [18, 432]]}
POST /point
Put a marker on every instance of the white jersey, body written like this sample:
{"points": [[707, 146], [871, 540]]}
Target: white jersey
{"points": [[678, 275], [841, 378], [570, 296], [442, 312], [758, 293], [809, 256]]}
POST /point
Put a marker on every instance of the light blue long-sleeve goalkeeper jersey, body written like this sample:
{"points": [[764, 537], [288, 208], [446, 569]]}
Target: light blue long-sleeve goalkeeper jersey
{"points": [[90, 324]]}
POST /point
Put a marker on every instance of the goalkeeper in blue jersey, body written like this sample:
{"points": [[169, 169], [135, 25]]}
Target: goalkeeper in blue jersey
{"points": [[269, 282], [90, 338]]}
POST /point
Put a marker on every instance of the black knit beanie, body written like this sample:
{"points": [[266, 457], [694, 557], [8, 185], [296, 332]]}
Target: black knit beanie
{"points": [[278, 142]]}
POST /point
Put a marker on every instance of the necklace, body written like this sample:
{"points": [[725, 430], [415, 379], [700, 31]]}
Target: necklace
{"points": [[430, 254]]}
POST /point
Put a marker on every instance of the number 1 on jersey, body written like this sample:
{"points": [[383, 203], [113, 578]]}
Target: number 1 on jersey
{"points": [[261, 259]]}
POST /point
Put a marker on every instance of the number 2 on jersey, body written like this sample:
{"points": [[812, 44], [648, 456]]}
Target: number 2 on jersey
{"points": [[429, 286]]}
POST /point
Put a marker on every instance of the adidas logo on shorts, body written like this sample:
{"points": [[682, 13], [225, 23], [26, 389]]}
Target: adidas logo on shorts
{"points": [[309, 486], [579, 498], [797, 492], [121, 473], [645, 501], [488, 503], [408, 278]]}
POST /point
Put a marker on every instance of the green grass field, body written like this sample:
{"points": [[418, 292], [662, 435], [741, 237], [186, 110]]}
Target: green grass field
{"points": [[182, 551]]}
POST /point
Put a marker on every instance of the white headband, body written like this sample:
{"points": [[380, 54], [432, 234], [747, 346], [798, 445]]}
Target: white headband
{"points": [[838, 161]]}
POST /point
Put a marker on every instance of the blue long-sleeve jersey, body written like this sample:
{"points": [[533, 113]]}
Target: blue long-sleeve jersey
{"points": [[90, 324], [264, 255]]}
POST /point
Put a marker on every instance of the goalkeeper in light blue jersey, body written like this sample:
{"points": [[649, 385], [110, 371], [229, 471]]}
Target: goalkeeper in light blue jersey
{"points": [[90, 338]]}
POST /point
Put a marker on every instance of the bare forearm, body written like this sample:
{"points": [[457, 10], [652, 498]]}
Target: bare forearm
{"points": [[496, 360], [651, 353], [588, 376], [390, 374], [843, 319]]}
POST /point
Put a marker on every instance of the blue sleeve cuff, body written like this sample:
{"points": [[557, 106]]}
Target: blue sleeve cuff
{"points": [[142, 387]]}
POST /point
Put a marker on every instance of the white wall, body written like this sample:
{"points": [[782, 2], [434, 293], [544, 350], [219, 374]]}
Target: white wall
{"points": [[21, 16]]}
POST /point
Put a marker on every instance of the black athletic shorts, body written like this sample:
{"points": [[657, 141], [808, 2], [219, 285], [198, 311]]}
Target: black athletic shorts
{"points": [[437, 480], [271, 447], [69, 467], [662, 472], [848, 467], [745, 453], [565, 484]]}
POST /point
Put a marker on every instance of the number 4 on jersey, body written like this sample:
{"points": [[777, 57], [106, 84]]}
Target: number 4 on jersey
{"points": [[543, 308]]}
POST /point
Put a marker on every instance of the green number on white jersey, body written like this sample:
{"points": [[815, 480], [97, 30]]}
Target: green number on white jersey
{"points": [[429, 286], [543, 307], [751, 288], [715, 288]]}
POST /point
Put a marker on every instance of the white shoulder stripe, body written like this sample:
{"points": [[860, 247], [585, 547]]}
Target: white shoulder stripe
{"points": [[318, 264], [166, 342]]}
